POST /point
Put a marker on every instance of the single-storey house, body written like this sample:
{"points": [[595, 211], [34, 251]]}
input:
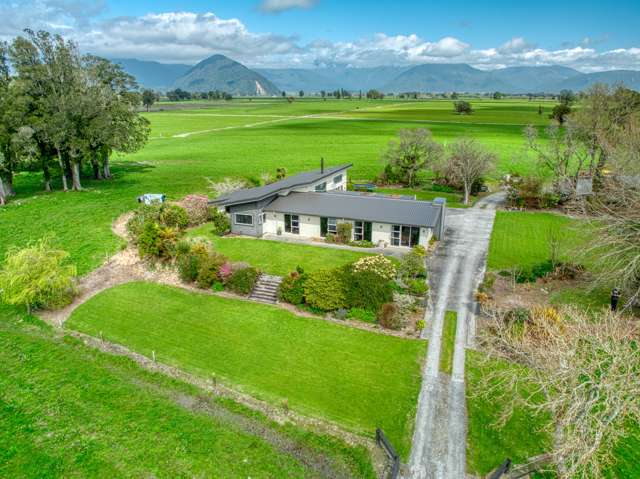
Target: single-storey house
{"points": [[312, 204]]}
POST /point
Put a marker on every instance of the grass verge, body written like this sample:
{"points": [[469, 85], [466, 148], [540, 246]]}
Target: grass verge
{"points": [[448, 341], [356, 378]]}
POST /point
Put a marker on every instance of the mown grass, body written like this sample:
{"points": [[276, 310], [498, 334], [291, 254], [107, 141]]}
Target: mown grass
{"points": [[454, 200], [448, 341], [488, 442], [275, 257], [521, 239], [358, 379], [69, 411]]}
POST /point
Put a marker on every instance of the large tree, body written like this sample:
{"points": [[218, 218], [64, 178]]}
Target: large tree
{"points": [[466, 162], [415, 150]]}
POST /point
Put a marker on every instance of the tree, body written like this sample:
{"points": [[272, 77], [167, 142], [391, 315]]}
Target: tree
{"points": [[467, 162], [149, 98], [566, 97], [284, 94], [462, 107], [301, 93], [37, 276], [497, 95], [414, 150], [560, 112], [375, 95], [578, 369], [539, 109], [454, 96]]}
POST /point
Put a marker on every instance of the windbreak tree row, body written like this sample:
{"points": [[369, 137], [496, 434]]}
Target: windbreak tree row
{"points": [[62, 112]]}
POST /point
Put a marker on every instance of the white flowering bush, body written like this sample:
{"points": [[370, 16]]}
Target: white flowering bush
{"points": [[376, 264]]}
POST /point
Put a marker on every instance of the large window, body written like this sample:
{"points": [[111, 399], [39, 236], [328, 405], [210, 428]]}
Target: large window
{"points": [[241, 219], [292, 224], [362, 230], [321, 187], [337, 179], [403, 235], [328, 226]]}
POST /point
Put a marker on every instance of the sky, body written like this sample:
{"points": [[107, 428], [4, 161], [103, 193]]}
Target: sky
{"points": [[587, 35]]}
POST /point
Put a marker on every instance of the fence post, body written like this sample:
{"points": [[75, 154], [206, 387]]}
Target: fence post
{"points": [[502, 470], [382, 441]]}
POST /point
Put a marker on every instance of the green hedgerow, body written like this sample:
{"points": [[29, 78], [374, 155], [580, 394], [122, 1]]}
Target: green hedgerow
{"points": [[324, 289], [243, 281], [291, 289]]}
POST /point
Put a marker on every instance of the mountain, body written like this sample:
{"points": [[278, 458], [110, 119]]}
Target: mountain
{"points": [[442, 77], [630, 78], [331, 78], [152, 74], [533, 79], [221, 73]]}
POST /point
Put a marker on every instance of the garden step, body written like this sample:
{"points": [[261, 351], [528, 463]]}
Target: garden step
{"points": [[266, 289]]}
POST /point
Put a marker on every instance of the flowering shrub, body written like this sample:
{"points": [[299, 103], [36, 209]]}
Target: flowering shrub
{"points": [[292, 288], [174, 216], [243, 281], [376, 264], [225, 271], [197, 207]]}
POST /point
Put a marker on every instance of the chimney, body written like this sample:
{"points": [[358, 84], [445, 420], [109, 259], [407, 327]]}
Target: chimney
{"points": [[321, 165]]}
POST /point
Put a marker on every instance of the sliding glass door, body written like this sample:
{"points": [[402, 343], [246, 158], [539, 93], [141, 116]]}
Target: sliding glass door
{"points": [[403, 235]]}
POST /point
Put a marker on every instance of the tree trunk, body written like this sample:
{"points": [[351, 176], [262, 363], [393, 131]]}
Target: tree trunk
{"points": [[97, 173], [7, 181], [47, 176], [105, 166], [466, 193], [75, 176], [63, 172], [2, 200]]}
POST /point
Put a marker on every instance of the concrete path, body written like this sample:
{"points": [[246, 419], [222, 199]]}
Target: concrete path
{"points": [[439, 442]]}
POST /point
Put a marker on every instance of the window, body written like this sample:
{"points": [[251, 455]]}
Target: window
{"points": [[337, 179], [292, 224], [321, 187], [243, 219], [358, 231], [328, 225], [403, 235]]}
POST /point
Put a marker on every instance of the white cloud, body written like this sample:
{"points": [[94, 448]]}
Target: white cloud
{"points": [[277, 6], [186, 37]]}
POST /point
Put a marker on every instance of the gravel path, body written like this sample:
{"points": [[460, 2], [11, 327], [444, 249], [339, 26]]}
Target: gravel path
{"points": [[439, 442]]}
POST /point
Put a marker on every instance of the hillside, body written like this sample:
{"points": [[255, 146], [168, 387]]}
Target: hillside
{"points": [[221, 73], [152, 74]]}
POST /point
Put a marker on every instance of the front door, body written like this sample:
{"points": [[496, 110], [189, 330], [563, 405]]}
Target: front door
{"points": [[324, 226], [368, 229]]}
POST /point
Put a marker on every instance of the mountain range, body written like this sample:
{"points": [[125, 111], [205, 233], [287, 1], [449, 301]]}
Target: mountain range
{"points": [[219, 72]]}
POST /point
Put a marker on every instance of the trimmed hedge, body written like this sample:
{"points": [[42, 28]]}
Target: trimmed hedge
{"points": [[324, 289], [292, 288], [367, 290]]}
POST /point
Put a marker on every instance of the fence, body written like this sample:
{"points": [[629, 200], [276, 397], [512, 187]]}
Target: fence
{"points": [[508, 470], [383, 442]]}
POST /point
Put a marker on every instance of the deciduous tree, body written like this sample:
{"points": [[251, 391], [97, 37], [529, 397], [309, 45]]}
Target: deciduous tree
{"points": [[415, 150], [466, 162]]}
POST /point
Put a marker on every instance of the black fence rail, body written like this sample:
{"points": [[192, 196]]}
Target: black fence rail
{"points": [[383, 442], [508, 470], [502, 470]]}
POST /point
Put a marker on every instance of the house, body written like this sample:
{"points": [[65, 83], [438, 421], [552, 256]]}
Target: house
{"points": [[312, 204]]}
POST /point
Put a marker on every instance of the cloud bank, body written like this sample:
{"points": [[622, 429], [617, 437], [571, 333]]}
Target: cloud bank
{"points": [[186, 37]]}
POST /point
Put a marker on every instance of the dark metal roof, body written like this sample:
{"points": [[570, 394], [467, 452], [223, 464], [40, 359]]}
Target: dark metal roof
{"points": [[359, 207], [257, 194]]}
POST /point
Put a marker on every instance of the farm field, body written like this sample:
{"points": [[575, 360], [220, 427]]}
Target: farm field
{"points": [[69, 411], [276, 257], [358, 379], [219, 141]]}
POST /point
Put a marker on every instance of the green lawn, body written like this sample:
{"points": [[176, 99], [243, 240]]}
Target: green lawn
{"points": [[67, 410], [454, 200], [275, 257], [356, 378], [488, 444], [520, 239], [448, 341]]}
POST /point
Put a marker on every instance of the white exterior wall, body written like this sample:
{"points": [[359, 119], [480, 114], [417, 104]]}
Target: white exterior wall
{"points": [[342, 185], [381, 232]]}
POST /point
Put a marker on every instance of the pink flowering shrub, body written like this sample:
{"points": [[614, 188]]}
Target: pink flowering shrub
{"points": [[197, 207]]}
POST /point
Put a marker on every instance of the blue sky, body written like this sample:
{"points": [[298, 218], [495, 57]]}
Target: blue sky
{"points": [[586, 35]]}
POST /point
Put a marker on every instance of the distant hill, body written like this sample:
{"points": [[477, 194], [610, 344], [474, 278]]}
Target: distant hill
{"points": [[533, 79], [331, 78], [630, 78], [221, 73], [153, 74]]}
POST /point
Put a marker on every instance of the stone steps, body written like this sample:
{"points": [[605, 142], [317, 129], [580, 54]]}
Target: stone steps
{"points": [[266, 289]]}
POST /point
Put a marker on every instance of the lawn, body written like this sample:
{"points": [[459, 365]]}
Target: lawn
{"points": [[356, 378], [67, 410], [520, 239], [275, 257], [230, 143], [488, 443], [448, 341], [454, 200]]}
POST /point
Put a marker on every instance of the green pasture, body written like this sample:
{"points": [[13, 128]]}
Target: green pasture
{"points": [[356, 378], [67, 410]]}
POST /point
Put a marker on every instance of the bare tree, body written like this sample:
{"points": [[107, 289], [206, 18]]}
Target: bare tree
{"points": [[466, 163], [413, 151], [578, 370]]}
